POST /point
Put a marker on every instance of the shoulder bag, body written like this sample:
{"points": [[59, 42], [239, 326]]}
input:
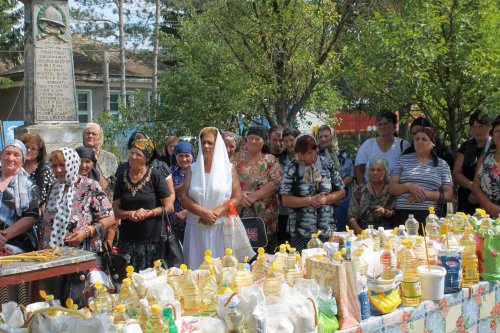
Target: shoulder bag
{"points": [[255, 228], [170, 247]]}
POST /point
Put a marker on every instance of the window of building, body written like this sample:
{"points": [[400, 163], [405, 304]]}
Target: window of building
{"points": [[84, 106], [114, 102]]}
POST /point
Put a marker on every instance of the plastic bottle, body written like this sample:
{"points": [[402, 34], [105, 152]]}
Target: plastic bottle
{"points": [[229, 260], [410, 285], [169, 318], [412, 225], [470, 274], [191, 298], [486, 227], [419, 249], [350, 236], [272, 283], [157, 267], [233, 319], [293, 269], [103, 300], [315, 242], [348, 250], [259, 268], [49, 300], [207, 261], [457, 224], [362, 235], [156, 324], [401, 231], [371, 232], [379, 239], [129, 297], [447, 224], [243, 277], [361, 268], [281, 256], [144, 313], [209, 293], [478, 216], [430, 219], [121, 316], [388, 261]]}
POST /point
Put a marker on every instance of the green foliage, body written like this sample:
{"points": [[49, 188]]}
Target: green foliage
{"points": [[268, 59], [440, 56], [11, 32]]}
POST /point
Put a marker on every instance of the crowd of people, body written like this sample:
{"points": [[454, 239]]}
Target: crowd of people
{"points": [[298, 184]]}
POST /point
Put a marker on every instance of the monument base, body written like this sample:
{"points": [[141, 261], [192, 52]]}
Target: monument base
{"points": [[54, 136]]}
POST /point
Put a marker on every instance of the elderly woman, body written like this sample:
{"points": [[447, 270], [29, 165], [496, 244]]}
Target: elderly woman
{"points": [[18, 213], [260, 176], [210, 186], [371, 203], [231, 142], [141, 194], [78, 214], [421, 179], [384, 145], [310, 187], [183, 154], [467, 160], [486, 187], [93, 137], [34, 165]]}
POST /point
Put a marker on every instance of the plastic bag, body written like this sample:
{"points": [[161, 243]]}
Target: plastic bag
{"points": [[384, 298], [490, 261], [278, 319], [327, 324], [12, 315]]}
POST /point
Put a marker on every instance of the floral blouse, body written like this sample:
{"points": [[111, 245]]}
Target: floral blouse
{"points": [[362, 203], [252, 178], [489, 176], [90, 204], [178, 176]]}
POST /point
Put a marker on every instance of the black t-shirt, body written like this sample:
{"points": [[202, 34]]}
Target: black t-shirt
{"points": [[471, 155], [148, 197]]}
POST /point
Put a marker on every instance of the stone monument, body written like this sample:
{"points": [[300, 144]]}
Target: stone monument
{"points": [[49, 80]]}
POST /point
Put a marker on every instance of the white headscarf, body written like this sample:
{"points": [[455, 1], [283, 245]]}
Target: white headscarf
{"points": [[61, 201], [218, 189]]}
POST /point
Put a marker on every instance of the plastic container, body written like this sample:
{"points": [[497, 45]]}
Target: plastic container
{"points": [[281, 256], [129, 297], [293, 269], [388, 260], [103, 302], [121, 316], [191, 299], [411, 225], [259, 268], [379, 239], [432, 282], [402, 231], [156, 324], [243, 277], [233, 319], [419, 249], [209, 293], [272, 283], [470, 275], [431, 222], [229, 260], [315, 242], [410, 284]]}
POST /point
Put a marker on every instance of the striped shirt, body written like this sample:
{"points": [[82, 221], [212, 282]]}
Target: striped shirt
{"points": [[431, 178]]}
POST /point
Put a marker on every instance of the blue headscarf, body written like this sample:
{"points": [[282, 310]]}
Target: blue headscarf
{"points": [[183, 148]]}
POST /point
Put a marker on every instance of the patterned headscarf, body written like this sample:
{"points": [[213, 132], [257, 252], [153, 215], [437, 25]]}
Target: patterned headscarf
{"points": [[147, 146], [227, 135], [60, 202], [18, 144], [20, 180]]}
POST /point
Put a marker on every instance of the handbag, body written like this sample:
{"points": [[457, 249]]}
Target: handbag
{"points": [[255, 228], [170, 247], [114, 263]]}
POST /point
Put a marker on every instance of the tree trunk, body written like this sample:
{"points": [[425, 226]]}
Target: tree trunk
{"points": [[155, 50], [105, 80], [123, 89]]}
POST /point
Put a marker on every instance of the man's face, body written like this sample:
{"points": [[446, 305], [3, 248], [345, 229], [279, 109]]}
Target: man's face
{"points": [[276, 142], [325, 139]]}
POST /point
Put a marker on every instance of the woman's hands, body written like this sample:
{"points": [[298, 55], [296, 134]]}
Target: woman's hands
{"points": [[208, 217], [417, 193], [318, 200], [247, 199], [75, 238]]}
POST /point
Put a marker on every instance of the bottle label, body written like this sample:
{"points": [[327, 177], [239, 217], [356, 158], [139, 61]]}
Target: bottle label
{"points": [[411, 289], [470, 273]]}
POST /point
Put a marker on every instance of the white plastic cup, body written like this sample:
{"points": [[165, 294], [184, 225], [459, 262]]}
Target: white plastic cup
{"points": [[432, 282]]}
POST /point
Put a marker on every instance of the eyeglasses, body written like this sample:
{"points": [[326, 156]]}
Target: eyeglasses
{"points": [[32, 148], [135, 154]]}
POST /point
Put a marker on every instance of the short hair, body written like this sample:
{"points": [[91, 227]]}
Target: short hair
{"points": [[38, 141], [291, 131], [275, 128], [99, 129], [480, 117], [325, 128], [389, 115], [209, 130], [56, 156], [495, 123], [305, 143]]}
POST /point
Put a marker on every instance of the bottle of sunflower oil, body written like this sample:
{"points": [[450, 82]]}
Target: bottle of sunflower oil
{"points": [[470, 274], [243, 277], [191, 298], [410, 285], [259, 268], [315, 242], [272, 283], [209, 293]]}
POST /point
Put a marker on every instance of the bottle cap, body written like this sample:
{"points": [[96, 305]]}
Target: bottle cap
{"points": [[156, 309], [380, 229], [167, 312], [49, 298], [157, 263], [388, 246], [364, 232], [52, 312], [337, 255], [127, 282], [419, 239], [98, 285], [228, 251], [208, 259], [261, 250], [129, 269], [121, 308], [208, 253], [408, 243], [319, 257], [282, 247], [183, 267]]}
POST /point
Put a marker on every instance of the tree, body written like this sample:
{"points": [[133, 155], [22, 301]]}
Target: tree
{"points": [[11, 31], [438, 56], [270, 58]]}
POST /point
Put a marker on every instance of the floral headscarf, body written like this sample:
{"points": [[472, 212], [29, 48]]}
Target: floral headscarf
{"points": [[147, 147], [60, 202]]}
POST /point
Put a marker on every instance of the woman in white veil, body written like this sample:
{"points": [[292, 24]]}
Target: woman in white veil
{"points": [[209, 186]]}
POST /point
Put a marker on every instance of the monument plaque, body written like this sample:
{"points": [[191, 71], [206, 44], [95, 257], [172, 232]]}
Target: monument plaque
{"points": [[49, 81]]}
